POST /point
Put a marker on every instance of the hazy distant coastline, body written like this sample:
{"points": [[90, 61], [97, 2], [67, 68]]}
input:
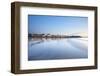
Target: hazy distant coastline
{"points": [[54, 36]]}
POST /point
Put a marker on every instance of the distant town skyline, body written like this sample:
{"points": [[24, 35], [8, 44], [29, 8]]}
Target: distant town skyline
{"points": [[57, 24]]}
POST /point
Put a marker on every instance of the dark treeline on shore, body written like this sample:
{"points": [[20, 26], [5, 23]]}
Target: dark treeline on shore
{"points": [[51, 36]]}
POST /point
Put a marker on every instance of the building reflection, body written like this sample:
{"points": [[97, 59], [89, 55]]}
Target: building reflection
{"points": [[40, 38]]}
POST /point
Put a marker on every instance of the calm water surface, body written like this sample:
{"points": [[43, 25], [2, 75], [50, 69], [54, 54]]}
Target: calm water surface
{"points": [[48, 49]]}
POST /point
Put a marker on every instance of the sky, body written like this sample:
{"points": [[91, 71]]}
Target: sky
{"points": [[57, 24]]}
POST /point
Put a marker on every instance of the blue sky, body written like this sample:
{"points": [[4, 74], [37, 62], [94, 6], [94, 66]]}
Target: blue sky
{"points": [[57, 24]]}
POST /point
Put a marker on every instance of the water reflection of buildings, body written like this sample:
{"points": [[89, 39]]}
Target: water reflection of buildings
{"points": [[40, 38]]}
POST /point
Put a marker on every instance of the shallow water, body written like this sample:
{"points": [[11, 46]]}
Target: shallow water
{"points": [[65, 48]]}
